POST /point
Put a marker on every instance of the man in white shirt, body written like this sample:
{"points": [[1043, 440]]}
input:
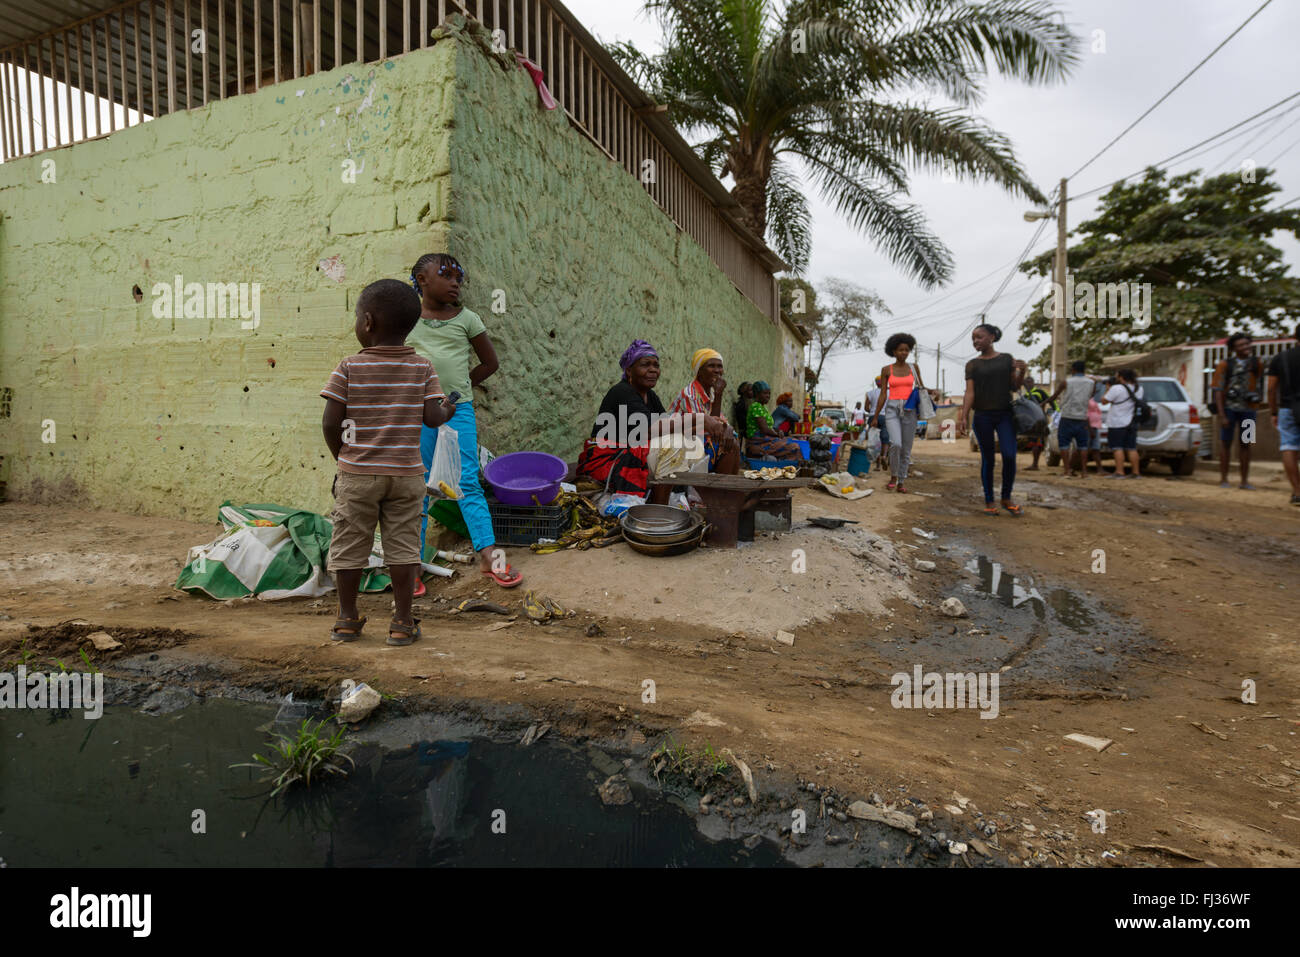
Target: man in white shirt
{"points": [[1119, 403]]}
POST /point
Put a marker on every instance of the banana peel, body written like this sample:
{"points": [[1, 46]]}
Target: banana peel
{"points": [[540, 608], [480, 604], [534, 608]]}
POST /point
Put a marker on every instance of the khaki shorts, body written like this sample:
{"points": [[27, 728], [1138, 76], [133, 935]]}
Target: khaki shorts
{"points": [[361, 501]]}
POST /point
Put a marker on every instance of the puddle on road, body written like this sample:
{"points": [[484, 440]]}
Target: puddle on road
{"points": [[1064, 605], [1052, 641], [121, 791]]}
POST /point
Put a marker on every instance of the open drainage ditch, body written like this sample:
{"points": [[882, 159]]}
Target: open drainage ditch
{"points": [[123, 791]]}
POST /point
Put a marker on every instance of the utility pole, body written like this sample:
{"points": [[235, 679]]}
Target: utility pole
{"points": [[1060, 327], [938, 354]]}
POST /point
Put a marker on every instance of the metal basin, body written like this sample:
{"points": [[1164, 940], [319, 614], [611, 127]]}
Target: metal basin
{"points": [[676, 548], [669, 537], [655, 519]]}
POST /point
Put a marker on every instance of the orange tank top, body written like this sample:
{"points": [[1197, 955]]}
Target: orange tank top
{"points": [[899, 387]]}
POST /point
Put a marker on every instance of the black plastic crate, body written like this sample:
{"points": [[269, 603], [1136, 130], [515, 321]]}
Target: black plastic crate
{"points": [[525, 524]]}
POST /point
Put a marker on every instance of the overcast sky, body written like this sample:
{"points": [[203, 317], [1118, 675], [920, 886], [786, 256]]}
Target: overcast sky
{"points": [[1149, 45]]}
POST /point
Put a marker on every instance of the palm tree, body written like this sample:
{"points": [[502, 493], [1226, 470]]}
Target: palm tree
{"points": [[819, 84]]}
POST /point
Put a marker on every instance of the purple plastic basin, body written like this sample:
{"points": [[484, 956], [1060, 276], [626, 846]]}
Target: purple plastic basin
{"points": [[518, 476]]}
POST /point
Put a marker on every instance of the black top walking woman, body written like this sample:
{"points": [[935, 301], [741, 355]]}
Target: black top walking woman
{"points": [[991, 378]]}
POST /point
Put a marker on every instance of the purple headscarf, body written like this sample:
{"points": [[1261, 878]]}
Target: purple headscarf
{"points": [[639, 349]]}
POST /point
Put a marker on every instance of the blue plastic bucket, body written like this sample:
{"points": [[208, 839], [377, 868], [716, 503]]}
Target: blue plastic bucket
{"points": [[859, 462]]}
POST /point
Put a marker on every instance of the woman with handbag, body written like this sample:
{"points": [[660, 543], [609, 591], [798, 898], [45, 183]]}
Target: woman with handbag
{"points": [[991, 378], [902, 396]]}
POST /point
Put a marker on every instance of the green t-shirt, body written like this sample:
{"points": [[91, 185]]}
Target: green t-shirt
{"points": [[757, 413], [446, 344]]}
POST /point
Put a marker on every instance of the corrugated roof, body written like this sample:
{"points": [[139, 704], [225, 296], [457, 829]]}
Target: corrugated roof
{"points": [[24, 19]]}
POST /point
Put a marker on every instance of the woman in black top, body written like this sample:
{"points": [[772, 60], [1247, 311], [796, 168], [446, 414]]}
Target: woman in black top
{"points": [[991, 378], [616, 453]]}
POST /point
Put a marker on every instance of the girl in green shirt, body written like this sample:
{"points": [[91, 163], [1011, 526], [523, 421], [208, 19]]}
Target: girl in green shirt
{"points": [[456, 342]]}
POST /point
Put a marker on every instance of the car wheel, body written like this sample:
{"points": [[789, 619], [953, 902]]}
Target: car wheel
{"points": [[1185, 464], [1053, 459]]}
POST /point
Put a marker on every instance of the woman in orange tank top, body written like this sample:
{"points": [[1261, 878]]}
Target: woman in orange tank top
{"points": [[898, 400]]}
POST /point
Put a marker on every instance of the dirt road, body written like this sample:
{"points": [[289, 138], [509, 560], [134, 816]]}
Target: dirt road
{"points": [[1147, 645]]}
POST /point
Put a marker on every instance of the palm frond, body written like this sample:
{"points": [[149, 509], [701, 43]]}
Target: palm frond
{"points": [[899, 230], [789, 221]]}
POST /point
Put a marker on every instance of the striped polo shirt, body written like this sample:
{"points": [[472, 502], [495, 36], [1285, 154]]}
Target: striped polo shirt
{"points": [[384, 389]]}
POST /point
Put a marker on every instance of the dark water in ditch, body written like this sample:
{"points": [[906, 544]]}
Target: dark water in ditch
{"points": [[123, 790]]}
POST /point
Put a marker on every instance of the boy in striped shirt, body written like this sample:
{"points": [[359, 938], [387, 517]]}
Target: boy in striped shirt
{"points": [[375, 403]]}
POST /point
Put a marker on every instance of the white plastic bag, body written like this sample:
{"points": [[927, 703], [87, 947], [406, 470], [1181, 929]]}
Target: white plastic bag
{"points": [[873, 442], [444, 473], [617, 503]]}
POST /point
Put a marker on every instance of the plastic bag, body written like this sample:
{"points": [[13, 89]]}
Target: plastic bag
{"points": [[444, 473], [618, 503], [873, 442], [1029, 416]]}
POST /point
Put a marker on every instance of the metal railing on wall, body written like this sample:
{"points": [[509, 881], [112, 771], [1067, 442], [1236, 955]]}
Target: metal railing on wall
{"points": [[146, 58]]}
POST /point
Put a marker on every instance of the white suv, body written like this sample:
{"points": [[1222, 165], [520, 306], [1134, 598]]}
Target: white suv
{"points": [[1173, 438]]}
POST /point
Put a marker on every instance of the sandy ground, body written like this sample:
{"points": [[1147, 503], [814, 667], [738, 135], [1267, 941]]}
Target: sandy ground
{"points": [[1197, 595]]}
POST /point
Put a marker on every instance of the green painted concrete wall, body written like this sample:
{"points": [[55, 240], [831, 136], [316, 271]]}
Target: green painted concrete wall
{"points": [[171, 416], [587, 262], [450, 150]]}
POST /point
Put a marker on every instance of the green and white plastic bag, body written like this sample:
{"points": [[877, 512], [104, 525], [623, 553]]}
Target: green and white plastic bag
{"points": [[271, 552]]}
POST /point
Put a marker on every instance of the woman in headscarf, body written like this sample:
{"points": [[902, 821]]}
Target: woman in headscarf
{"points": [[703, 397], [765, 442], [784, 415], [630, 415]]}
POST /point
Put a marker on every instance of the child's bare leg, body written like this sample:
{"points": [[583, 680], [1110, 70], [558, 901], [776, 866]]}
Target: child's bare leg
{"points": [[348, 583], [403, 589]]}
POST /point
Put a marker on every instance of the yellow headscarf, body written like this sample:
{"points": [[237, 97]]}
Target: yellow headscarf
{"points": [[702, 356]]}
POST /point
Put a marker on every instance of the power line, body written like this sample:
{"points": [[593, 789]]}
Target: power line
{"points": [[1264, 129], [1042, 225], [987, 275], [1171, 90], [1169, 159], [1283, 153]]}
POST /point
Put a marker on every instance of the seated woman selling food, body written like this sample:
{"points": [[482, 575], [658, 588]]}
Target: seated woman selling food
{"points": [[784, 416], [765, 442], [615, 454], [630, 439], [703, 397]]}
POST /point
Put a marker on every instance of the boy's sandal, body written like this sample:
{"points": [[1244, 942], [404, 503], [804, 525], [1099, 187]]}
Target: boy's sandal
{"points": [[408, 633], [990, 509], [1014, 509], [347, 629], [508, 578]]}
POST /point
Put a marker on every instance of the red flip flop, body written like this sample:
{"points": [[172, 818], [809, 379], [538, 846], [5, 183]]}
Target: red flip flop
{"points": [[506, 579], [420, 590]]}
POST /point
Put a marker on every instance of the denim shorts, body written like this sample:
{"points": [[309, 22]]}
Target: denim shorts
{"points": [[1095, 441], [1288, 431], [1232, 419], [1125, 438], [1072, 430]]}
